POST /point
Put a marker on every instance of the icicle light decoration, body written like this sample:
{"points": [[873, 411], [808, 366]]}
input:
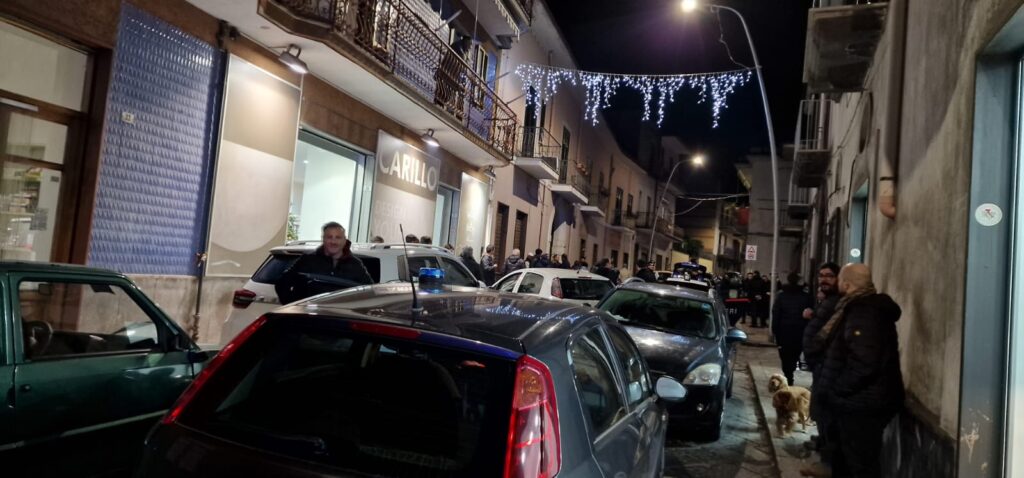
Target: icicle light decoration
{"points": [[541, 83]]}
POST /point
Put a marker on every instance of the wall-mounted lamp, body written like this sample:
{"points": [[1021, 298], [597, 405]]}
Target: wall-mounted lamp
{"points": [[429, 139], [292, 59]]}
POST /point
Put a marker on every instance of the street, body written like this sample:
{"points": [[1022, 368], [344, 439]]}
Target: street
{"points": [[744, 451]]}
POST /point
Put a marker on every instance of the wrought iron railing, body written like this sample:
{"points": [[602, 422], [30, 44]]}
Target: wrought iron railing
{"points": [[812, 129], [391, 33], [539, 143], [527, 6], [665, 224], [574, 178]]}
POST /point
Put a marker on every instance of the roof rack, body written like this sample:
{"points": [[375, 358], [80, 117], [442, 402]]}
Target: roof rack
{"points": [[400, 245]]}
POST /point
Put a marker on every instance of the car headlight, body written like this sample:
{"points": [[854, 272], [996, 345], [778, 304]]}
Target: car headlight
{"points": [[707, 374]]}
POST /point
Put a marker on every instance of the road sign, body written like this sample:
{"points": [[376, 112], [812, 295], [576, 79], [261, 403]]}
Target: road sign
{"points": [[751, 254]]}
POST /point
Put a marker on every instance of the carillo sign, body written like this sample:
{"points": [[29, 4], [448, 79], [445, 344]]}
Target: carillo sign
{"points": [[404, 167]]}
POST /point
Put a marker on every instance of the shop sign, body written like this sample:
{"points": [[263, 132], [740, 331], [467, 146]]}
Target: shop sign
{"points": [[405, 190], [404, 167]]}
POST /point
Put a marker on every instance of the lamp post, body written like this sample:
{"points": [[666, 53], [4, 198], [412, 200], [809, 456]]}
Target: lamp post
{"points": [[698, 160], [690, 6]]}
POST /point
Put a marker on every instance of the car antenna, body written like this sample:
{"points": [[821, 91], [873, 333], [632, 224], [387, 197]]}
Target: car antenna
{"points": [[416, 309]]}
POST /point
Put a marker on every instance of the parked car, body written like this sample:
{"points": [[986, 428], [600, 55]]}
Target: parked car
{"points": [[384, 262], [683, 334], [88, 364], [477, 384], [576, 287]]}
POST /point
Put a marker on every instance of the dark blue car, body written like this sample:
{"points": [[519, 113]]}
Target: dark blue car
{"points": [[683, 334]]}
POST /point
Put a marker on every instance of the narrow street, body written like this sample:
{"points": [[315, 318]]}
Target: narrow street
{"points": [[744, 451]]}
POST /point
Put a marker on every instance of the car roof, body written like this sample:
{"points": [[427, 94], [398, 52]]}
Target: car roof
{"points": [[564, 273], [30, 266], [305, 247], [514, 322], [667, 289]]}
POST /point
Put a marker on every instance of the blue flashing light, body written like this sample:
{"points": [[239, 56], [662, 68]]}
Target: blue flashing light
{"points": [[431, 279]]}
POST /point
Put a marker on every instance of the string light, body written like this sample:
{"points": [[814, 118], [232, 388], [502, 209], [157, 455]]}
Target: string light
{"points": [[541, 83]]}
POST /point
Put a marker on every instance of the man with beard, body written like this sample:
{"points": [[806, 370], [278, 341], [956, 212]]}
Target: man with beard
{"points": [[814, 355], [331, 267], [860, 381]]}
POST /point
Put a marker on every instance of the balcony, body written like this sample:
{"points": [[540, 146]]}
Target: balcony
{"points": [[385, 54], [645, 222], [800, 205], [594, 206], [572, 186], [735, 219], [503, 19], [842, 36], [538, 153], [813, 145], [790, 227]]}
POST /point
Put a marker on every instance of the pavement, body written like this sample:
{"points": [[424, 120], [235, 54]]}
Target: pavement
{"points": [[789, 453]]}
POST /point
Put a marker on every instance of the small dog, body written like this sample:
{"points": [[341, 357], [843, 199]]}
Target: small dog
{"points": [[792, 405]]}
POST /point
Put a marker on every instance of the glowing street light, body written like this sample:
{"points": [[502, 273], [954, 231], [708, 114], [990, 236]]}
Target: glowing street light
{"points": [[689, 5], [698, 160]]}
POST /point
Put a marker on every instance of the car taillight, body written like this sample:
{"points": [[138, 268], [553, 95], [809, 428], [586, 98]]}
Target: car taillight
{"points": [[556, 288], [534, 448], [242, 298], [183, 401]]}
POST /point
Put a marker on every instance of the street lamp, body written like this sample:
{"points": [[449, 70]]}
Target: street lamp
{"points": [[696, 161], [690, 6]]}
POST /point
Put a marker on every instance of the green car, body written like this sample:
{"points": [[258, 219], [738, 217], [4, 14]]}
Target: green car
{"points": [[87, 364]]}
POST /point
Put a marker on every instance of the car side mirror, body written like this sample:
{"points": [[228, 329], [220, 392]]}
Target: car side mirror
{"points": [[669, 389], [735, 335]]}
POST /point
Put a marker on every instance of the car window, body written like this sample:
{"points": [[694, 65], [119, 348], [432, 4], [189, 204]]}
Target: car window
{"points": [[531, 284], [371, 405], [585, 289], [508, 283], [415, 264], [595, 381], [638, 382], [372, 265], [273, 268], [67, 318], [673, 314], [456, 274]]}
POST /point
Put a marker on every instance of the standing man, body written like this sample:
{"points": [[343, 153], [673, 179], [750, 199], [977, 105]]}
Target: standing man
{"points": [[646, 272], [330, 267], [514, 262], [861, 380], [814, 354], [789, 323], [470, 262], [758, 290], [489, 265]]}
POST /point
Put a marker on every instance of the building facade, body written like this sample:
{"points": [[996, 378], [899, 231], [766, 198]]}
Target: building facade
{"points": [[907, 159]]}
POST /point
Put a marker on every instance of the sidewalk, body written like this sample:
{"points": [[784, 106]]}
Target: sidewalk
{"points": [[790, 453]]}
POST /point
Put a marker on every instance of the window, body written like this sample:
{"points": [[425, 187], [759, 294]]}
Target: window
{"points": [[585, 289], [638, 382], [415, 264], [629, 205], [456, 274], [64, 318], [595, 381], [325, 181], [508, 283], [615, 258], [563, 167], [618, 207], [625, 260], [673, 314], [531, 284], [414, 409]]}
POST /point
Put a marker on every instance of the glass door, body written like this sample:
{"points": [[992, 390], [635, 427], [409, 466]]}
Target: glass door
{"points": [[31, 175]]}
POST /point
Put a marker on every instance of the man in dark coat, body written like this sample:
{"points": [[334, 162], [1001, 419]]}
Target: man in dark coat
{"points": [[860, 379], [470, 262], [758, 289], [789, 323], [647, 273], [603, 268], [814, 354], [514, 262], [331, 267]]}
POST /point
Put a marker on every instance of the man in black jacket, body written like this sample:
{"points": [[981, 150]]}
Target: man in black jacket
{"points": [[789, 323], [814, 355], [860, 379], [331, 267], [646, 272]]}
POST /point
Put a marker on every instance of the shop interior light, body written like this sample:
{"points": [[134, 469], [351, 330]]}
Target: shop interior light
{"points": [[293, 61], [429, 139]]}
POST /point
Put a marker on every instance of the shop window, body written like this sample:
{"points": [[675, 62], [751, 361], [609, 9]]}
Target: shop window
{"points": [[326, 182], [41, 69]]}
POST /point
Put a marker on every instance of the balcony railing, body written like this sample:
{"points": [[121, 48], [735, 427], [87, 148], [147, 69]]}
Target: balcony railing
{"points": [[539, 143], [665, 225], [526, 6], [813, 143], [390, 33]]}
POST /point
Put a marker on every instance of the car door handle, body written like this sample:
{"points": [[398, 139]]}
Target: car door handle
{"points": [[26, 388]]}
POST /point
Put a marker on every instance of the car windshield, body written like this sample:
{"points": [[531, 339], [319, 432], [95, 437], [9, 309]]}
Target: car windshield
{"points": [[669, 313], [362, 403], [585, 289]]}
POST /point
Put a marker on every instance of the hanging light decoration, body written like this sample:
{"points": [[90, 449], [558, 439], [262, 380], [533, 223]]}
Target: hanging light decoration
{"points": [[541, 83]]}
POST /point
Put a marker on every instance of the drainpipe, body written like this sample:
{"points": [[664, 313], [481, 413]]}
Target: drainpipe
{"points": [[888, 167]]}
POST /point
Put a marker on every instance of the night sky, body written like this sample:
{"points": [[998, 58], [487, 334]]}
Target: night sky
{"points": [[656, 37]]}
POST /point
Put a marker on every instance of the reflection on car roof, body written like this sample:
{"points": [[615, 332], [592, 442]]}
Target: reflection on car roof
{"points": [[667, 289]]}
